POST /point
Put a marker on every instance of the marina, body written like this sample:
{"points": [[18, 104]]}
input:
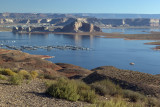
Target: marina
{"points": [[48, 48]]}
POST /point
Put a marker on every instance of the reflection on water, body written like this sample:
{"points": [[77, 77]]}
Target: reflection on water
{"points": [[78, 39], [106, 51]]}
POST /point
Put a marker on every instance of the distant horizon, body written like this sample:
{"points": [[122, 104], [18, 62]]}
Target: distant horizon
{"points": [[81, 6], [83, 13]]}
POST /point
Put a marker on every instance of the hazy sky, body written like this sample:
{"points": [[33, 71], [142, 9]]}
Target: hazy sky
{"points": [[81, 6]]}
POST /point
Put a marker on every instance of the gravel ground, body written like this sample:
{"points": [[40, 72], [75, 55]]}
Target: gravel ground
{"points": [[30, 95]]}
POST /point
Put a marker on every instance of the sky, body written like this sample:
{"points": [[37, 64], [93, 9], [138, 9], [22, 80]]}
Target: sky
{"points": [[81, 6]]}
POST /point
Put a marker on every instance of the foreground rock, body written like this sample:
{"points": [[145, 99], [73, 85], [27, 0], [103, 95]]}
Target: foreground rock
{"points": [[137, 81]]}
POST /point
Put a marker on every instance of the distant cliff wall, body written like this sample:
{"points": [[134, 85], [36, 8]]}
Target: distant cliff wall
{"points": [[21, 29], [94, 21], [137, 22], [113, 22]]}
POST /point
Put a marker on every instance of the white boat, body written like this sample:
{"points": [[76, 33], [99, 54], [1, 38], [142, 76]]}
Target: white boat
{"points": [[132, 63]]}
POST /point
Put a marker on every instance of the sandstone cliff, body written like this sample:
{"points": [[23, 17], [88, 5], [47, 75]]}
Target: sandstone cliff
{"points": [[79, 26]]}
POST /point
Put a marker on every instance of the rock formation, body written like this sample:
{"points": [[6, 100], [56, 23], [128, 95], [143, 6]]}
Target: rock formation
{"points": [[79, 26], [30, 29]]}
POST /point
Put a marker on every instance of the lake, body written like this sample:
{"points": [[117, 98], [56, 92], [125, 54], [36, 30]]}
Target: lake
{"points": [[131, 30], [104, 51]]}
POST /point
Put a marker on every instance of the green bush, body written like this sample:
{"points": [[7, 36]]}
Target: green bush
{"points": [[106, 87], [2, 77], [112, 103], [85, 92], [64, 89], [118, 102], [48, 83], [153, 102], [25, 74], [48, 76], [72, 90], [133, 96], [7, 72], [34, 74], [16, 79]]}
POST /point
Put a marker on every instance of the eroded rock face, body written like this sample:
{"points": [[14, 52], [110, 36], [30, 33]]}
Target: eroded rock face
{"points": [[79, 26]]}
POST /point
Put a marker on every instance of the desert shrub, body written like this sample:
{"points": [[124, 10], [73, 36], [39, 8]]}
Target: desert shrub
{"points": [[34, 74], [1, 70], [25, 74], [7, 72], [15, 70], [2, 77], [153, 102], [16, 79], [118, 102], [48, 83], [41, 76], [64, 89], [106, 87], [48, 76], [72, 90], [133, 96], [112, 103], [85, 92]]}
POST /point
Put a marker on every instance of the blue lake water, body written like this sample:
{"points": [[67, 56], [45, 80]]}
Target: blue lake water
{"points": [[105, 51]]}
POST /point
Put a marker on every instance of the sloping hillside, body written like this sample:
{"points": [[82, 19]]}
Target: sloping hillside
{"points": [[137, 81]]}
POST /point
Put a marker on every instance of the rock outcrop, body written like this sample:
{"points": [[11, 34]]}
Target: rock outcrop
{"points": [[21, 29], [79, 26]]}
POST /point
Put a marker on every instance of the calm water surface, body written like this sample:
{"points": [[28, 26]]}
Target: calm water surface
{"points": [[130, 30], [105, 51]]}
